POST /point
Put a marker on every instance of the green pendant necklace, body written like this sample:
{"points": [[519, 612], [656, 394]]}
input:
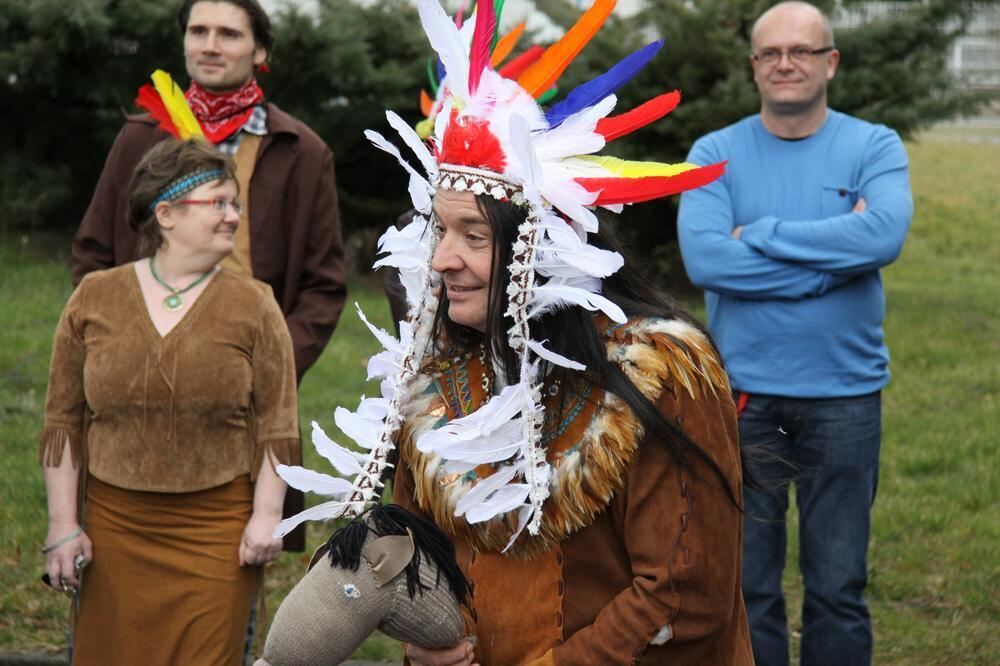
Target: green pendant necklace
{"points": [[173, 301]]}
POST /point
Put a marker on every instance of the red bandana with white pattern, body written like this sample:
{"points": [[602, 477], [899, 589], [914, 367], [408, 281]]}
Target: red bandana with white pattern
{"points": [[222, 115]]}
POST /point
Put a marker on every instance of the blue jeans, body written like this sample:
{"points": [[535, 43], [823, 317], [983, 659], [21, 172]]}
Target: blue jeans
{"points": [[829, 449]]}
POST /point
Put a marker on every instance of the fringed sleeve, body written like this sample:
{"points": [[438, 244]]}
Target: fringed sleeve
{"points": [[283, 452], [275, 403], [53, 443], [65, 403]]}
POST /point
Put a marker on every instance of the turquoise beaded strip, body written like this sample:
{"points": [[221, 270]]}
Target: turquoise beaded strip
{"points": [[185, 185]]}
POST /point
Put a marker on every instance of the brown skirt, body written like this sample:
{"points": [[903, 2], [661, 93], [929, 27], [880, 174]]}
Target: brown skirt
{"points": [[165, 586]]}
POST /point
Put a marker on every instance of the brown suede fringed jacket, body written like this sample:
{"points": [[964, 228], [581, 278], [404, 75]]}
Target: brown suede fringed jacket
{"points": [[638, 559], [295, 236], [190, 410]]}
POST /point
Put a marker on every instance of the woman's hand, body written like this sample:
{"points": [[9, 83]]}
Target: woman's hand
{"points": [[257, 545], [461, 654], [61, 562]]}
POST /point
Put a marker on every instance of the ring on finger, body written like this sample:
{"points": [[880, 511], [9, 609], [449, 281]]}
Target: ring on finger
{"points": [[67, 589]]}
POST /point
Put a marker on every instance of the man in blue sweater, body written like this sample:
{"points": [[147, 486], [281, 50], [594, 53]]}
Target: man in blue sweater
{"points": [[788, 245]]}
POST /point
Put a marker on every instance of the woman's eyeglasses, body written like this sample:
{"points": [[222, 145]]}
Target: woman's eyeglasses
{"points": [[797, 54], [218, 204]]}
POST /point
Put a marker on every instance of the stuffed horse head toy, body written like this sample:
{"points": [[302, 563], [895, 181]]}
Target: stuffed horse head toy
{"points": [[388, 570]]}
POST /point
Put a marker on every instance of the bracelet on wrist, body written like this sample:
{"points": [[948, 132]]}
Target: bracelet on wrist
{"points": [[48, 548]]}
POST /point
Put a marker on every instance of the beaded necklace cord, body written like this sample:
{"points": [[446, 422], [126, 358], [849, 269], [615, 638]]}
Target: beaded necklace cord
{"points": [[173, 301]]}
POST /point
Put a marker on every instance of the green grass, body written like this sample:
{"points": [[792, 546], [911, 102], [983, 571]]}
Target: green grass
{"points": [[935, 552]]}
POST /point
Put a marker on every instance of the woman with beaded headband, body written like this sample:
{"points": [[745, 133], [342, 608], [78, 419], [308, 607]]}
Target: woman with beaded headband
{"points": [[569, 427], [171, 397]]}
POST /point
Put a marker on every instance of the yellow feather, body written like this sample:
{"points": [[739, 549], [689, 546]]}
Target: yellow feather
{"points": [[629, 169], [173, 99]]}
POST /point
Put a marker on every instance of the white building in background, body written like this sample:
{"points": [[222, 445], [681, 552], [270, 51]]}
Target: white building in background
{"points": [[975, 55]]}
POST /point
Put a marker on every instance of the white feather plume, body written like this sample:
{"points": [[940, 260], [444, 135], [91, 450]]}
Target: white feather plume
{"points": [[309, 481], [343, 460], [446, 41]]}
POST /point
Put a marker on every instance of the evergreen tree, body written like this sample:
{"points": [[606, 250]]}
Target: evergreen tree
{"points": [[892, 71]]}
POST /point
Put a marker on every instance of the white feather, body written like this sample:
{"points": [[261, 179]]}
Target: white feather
{"points": [[420, 195], [550, 296], [382, 143], [419, 148], [506, 499], [309, 481], [361, 430], [485, 487], [389, 342], [553, 357], [445, 40], [343, 460], [325, 511], [523, 514]]}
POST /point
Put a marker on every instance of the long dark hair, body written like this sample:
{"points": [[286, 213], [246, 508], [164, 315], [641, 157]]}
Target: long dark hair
{"points": [[637, 296]]}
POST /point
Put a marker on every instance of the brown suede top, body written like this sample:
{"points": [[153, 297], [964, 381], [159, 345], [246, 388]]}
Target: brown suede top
{"points": [[186, 411], [638, 559]]}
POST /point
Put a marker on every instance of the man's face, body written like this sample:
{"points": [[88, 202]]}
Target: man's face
{"points": [[792, 85], [219, 48]]}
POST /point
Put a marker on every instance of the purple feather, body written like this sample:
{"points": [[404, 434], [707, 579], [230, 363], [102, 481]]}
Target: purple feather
{"points": [[589, 93]]}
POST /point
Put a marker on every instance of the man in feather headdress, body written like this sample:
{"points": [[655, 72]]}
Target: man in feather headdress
{"points": [[566, 425], [289, 234], [788, 246]]}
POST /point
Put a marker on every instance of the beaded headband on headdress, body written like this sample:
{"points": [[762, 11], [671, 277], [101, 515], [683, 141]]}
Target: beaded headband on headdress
{"points": [[490, 136]]}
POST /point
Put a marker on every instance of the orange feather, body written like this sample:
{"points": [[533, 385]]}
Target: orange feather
{"points": [[543, 74], [505, 45], [426, 103]]}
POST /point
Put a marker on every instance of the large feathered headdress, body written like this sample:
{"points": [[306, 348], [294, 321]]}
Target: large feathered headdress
{"points": [[491, 137]]}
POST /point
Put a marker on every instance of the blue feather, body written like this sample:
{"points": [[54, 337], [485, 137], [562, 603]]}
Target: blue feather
{"points": [[593, 91]]}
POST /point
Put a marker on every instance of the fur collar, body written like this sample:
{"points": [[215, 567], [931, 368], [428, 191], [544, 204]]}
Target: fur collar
{"points": [[590, 447]]}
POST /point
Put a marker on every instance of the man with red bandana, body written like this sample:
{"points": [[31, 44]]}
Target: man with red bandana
{"points": [[289, 234]]}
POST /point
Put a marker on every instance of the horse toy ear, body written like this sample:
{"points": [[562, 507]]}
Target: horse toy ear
{"points": [[388, 570]]}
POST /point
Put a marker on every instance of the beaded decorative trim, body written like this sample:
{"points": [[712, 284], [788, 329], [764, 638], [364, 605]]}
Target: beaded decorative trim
{"points": [[478, 181], [186, 184]]}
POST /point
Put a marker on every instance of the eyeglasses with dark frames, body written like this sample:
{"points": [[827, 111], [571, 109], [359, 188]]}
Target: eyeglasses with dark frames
{"points": [[797, 54], [218, 204]]}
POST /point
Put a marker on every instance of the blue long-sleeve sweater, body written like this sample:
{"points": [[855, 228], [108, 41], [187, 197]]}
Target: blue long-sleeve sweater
{"points": [[796, 303]]}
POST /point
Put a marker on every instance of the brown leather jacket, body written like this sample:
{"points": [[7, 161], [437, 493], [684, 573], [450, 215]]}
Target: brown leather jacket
{"points": [[294, 224]]}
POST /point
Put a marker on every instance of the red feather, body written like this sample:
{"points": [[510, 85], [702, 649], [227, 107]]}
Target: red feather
{"points": [[515, 67], [150, 100], [636, 190], [618, 126], [468, 141], [482, 42]]}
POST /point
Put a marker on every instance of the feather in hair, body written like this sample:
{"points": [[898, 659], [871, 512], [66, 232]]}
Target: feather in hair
{"points": [[648, 112], [591, 92], [176, 105], [543, 74], [432, 77], [445, 40], [149, 100], [506, 44], [324, 511], [414, 143], [635, 190], [343, 460], [426, 103], [482, 42], [635, 169], [498, 13], [309, 481]]}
